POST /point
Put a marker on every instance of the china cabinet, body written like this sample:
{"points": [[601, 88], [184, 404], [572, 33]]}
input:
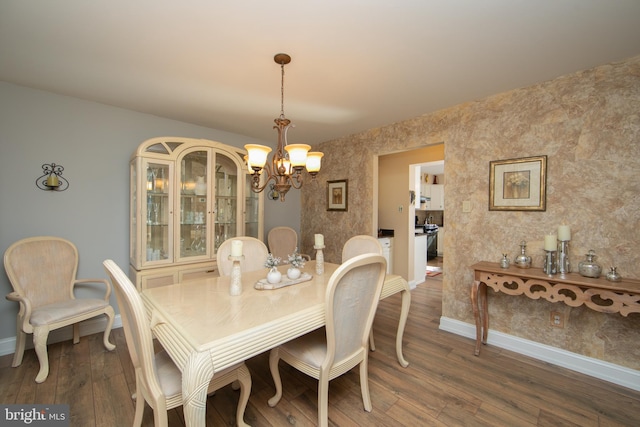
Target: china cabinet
{"points": [[187, 197]]}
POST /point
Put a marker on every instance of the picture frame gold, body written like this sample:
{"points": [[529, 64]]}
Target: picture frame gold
{"points": [[338, 195], [518, 184]]}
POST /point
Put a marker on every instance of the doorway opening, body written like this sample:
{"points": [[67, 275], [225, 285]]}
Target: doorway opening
{"points": [[429, 213], [398, 192]]}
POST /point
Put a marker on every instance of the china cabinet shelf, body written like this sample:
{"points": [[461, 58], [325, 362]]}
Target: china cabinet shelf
{"points": [[187, 197]]}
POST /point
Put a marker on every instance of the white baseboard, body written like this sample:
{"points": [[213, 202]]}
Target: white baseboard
{"points": [[88, 327], [616, 374]]}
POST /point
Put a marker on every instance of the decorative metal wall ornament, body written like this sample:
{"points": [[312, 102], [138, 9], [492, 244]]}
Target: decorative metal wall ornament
{"points": [[52, 179], [273, 194]]}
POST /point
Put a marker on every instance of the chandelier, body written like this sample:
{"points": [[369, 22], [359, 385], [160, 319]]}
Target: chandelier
{"points": [[288, 161]]}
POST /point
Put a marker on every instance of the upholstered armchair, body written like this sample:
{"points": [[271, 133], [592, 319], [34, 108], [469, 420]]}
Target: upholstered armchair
{"points": [[42, 272]]}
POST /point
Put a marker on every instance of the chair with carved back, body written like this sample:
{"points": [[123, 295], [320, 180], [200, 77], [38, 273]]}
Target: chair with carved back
{"points": [[352, 296], [283, 241], [254, 251], [158, 379], [358, 245], [42, 271]]}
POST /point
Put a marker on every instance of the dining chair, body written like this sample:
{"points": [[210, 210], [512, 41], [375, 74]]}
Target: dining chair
{"points": [[283, 241], [255, 254], [158, 379], [351, 300], [42, 271], [358, 245], [361, 244]]}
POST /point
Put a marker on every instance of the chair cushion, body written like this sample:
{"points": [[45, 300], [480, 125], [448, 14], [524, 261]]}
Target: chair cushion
{"points": [[310, 348], [169, 376], [59, 311]]}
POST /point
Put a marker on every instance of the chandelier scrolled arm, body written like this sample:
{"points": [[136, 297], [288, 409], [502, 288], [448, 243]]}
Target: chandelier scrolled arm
{"points": [[288, 160]]}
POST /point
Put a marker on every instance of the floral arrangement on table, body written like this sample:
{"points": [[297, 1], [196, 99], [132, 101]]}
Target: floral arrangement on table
{"points": [[273, 276], [296, 260], [272, 261]]}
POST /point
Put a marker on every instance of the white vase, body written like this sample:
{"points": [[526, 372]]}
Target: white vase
{"points": [[293, 273], [274, 276]]}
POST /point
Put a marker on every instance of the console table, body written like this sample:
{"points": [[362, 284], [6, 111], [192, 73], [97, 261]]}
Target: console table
{"points": [[572, 289]]}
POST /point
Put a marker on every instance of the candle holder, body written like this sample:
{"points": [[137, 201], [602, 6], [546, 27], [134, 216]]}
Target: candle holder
{"points": [[319, 259], [563, 257], [550, 263], [52, 179], [235, 287]]}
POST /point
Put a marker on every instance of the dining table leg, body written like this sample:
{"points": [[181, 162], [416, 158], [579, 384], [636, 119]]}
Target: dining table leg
{"points": [[196, 376]]}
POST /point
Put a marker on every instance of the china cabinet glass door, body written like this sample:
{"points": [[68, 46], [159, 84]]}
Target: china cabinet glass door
{"points": [[193, 169], [156, 211], [227, 210]]}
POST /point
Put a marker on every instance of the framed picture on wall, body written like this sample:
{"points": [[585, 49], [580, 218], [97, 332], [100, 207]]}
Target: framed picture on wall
{"points": [[518, 184], [337, 195]]}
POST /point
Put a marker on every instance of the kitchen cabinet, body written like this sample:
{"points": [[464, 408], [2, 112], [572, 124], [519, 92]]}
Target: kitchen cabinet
{"points": [[387, 252], [420, 258], [435, 197], [187, 196]]}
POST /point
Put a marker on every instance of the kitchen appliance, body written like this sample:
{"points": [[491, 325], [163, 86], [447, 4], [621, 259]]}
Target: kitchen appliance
{"points": [[387, 251], [432, 240]]}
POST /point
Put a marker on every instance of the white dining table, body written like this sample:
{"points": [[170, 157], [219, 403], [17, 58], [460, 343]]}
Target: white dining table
{"points": [[205, 330]]}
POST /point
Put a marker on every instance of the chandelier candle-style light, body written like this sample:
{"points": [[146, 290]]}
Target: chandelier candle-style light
{"points": [[285, 168]]}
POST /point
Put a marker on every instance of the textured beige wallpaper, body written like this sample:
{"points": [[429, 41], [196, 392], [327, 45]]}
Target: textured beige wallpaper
{"points": [[588, 124]]}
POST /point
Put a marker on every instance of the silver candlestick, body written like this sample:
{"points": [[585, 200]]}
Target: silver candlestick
{"points": [[563, 257], [319, 259], [550, 263], [235, 287]]}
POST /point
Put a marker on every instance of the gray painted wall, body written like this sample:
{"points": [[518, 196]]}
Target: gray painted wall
{"points": [[94, 143]]}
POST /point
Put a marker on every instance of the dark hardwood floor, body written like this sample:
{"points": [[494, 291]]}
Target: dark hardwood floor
{"points": [[444, 385]]}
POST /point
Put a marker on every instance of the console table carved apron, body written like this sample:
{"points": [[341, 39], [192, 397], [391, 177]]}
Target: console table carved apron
{"points": [[572, 289]]}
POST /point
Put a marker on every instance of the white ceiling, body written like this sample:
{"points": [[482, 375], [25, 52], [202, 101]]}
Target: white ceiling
{"points": [[357, 64]]}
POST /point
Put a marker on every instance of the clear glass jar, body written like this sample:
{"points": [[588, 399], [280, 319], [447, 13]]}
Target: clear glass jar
{"points": [[589, 267]]}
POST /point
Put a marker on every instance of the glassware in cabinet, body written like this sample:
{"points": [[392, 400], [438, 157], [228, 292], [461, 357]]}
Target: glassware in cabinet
{"points": [[194, 203], [227, 209], [156, 211]]}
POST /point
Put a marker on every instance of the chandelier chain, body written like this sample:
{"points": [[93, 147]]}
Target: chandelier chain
{"points": [[282, 91]]}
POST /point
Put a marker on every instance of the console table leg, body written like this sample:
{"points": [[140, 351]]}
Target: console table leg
{"points": [[476, 315], [484, 313]]}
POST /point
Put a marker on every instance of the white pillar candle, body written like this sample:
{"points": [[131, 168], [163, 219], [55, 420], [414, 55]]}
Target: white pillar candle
{"points": [[236, 248], [550, 242], [564, 232], [319, 239]]}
